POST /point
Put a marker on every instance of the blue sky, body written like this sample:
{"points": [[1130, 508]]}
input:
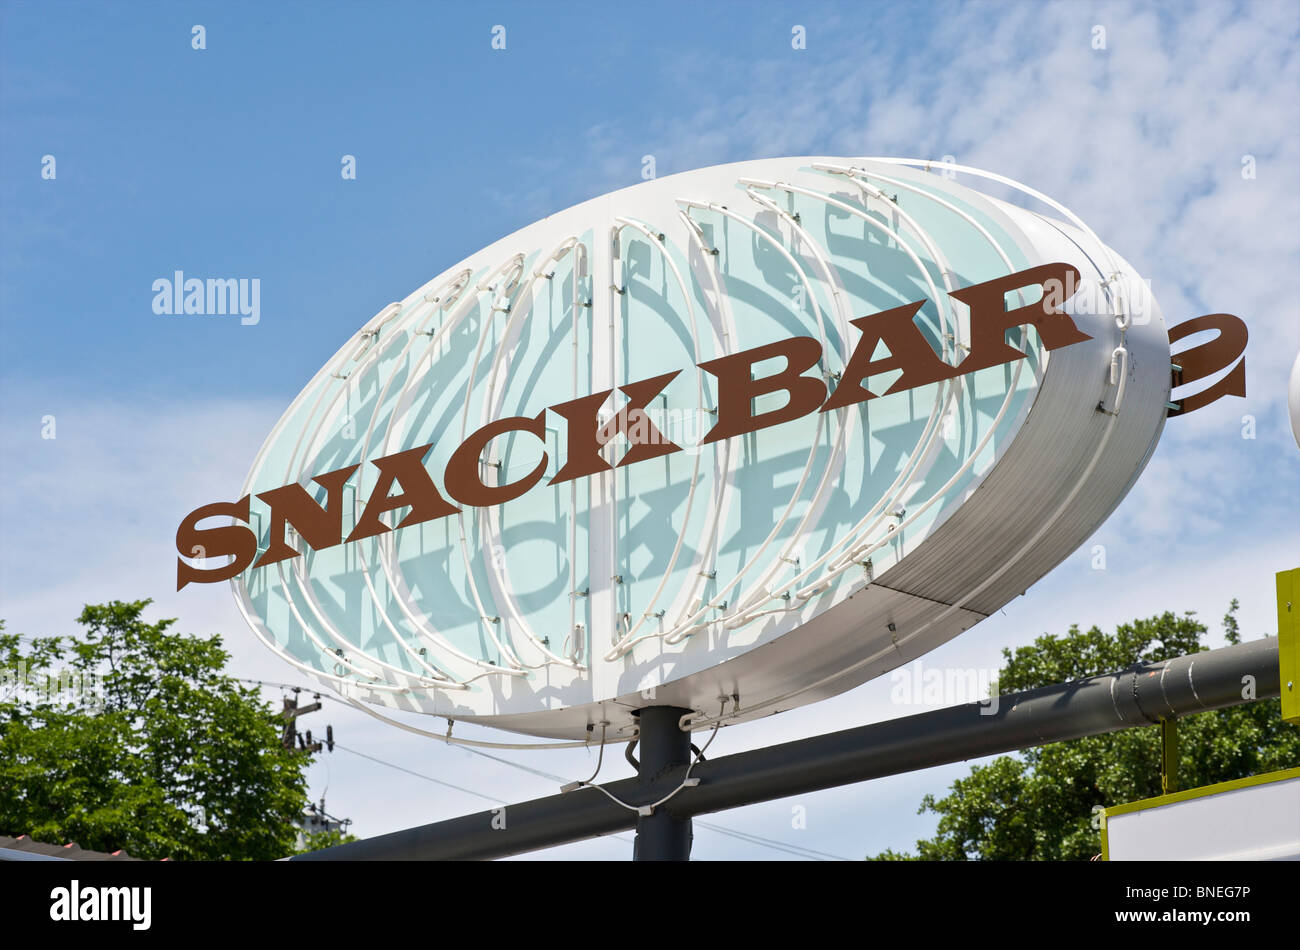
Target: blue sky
{"points": [[226, 162]]}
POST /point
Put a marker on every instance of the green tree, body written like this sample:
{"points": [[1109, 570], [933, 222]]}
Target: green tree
{"points": [[142, 743], [1041, 804]]}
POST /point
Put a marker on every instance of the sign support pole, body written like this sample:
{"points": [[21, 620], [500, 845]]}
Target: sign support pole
{"points": [[661, 836], [1129, 698]]}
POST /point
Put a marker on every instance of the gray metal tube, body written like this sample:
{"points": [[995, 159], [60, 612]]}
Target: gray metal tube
{"points": [[665, 749], [1140, 696]]}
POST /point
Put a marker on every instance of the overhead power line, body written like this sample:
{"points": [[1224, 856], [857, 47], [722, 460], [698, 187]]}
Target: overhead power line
{"points": [[427, 778]]}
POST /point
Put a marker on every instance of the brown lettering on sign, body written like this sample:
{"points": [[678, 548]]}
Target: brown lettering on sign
{"points": [[463, 479], [1210, 357], [587, 436], [228, 540], [908, 350], [407, 470], [737, 388], [990, 319], [320, 527]]}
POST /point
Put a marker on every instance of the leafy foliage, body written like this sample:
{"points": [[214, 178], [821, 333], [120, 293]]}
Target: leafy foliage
{"points": [[1042, 804], [168, 758]]}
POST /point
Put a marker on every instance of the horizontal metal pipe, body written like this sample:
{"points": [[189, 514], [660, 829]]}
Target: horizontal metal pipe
{"points": [[1140, 696]]}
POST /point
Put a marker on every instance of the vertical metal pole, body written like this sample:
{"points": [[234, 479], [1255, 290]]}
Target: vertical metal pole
{"points": [[663, 746]]}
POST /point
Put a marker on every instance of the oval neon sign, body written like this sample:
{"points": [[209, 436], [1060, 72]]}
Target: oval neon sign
{"points": [[732, 440]]}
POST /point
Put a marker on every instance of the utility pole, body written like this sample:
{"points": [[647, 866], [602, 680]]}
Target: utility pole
{"points": [[290, 732], [316, 819]]}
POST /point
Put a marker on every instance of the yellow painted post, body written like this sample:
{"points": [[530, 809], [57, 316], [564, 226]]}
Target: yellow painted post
{"points": [[1288, 642]]}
